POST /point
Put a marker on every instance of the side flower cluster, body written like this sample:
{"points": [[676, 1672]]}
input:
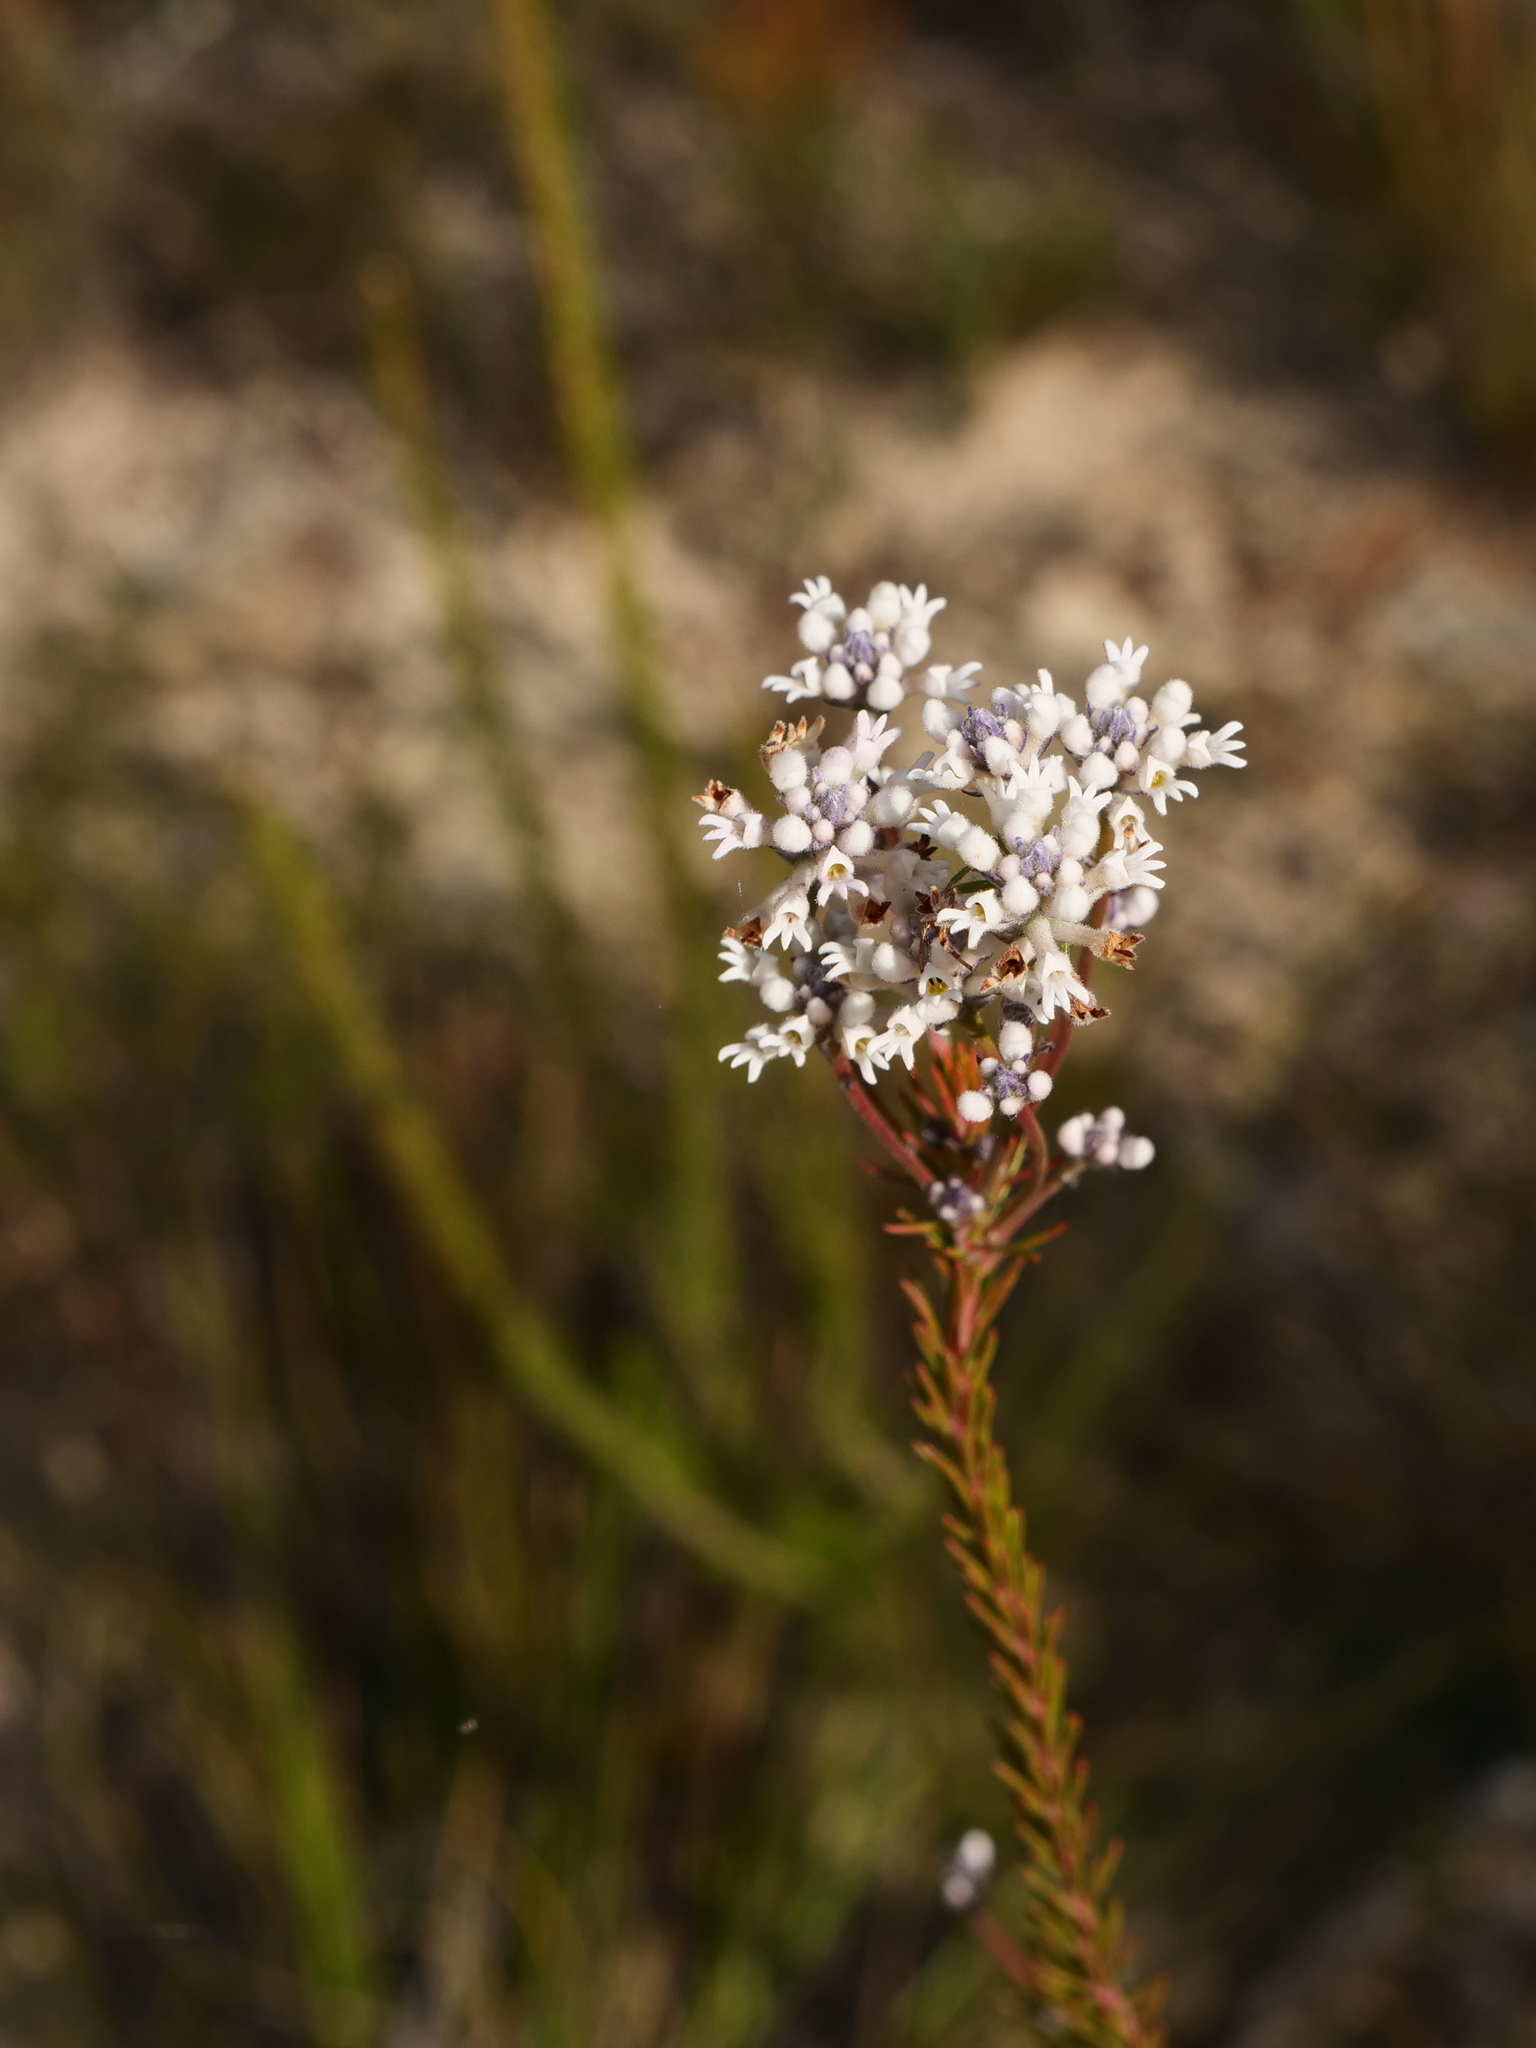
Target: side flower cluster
{"points": [[968, 887]]}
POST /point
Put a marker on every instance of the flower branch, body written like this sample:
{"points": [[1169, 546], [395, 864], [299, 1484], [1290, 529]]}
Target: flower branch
{"points": [[952, 912]]}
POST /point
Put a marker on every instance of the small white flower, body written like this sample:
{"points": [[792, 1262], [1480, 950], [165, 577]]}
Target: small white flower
{"points": [[861, 1042], [1119, 673], [760, 1045], [884, 606], [1158, 781], [803, 680], [903, 1034], [1057, 984], [824, 611], [836, 877], [870, 739], [910, 639], [972, 920], [1081, 822], [740, 961], [736, 834], [1132, 867], [796, 1038], [1221, 749], [791, 924], [1172, 704]]}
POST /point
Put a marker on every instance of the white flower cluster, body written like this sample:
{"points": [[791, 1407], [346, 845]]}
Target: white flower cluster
{"points": [[860, 656], [969, 884]]}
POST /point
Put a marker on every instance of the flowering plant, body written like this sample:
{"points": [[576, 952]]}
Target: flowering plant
{"points": [[960, 903]]}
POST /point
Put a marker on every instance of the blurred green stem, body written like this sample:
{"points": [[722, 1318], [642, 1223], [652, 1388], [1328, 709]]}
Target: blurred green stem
{"points": [[696, 1289], [405, 398], [526, 1348]]}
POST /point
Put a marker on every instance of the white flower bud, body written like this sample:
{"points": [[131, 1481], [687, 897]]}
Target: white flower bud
{"points": [[894, 804], [1172, 703], [1073, 1135], [792, 835], [1015, 1041], [1042, 715], [885, 693], [1138, 907], [911, 642], [1169, 744], [818, 1012], [777, 992], [818, 628], [1135, 1153], [1020, 897], [822, 830], [858, 1007], [1077, 736], [978, 849], [1127, 758], [1104, 688], [836, 683], [1024, 822], [939, 719], [788, 769], [1071, 902], [835, 767], [975, 1107], [1039, 1086], [1079, 831], [884, 606], [856, 838], [1098, 772], [890, 963], [858, 621], [797, 799]]}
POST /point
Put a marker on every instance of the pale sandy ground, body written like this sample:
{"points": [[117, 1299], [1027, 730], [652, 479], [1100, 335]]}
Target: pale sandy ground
{"points": [[1099, 484]]}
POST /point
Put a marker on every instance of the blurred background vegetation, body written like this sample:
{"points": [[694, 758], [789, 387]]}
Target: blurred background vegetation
{"points": [[462, 1576]]}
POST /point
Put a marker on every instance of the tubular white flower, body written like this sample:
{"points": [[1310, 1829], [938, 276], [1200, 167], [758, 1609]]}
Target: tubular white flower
{"points": [[1159, 782], [755, 1051], [1222, 749]]}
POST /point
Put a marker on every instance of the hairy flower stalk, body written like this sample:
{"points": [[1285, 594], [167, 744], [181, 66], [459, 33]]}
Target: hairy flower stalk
{"points": [[955, 908]]}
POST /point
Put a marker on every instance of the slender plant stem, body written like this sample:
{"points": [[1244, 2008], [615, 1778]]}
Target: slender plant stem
{"points": [[405, 398], [696, 1294], [1073, 1960]]}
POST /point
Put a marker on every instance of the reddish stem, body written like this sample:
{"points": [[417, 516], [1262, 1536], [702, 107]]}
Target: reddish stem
{"points": [[874, 1118]]}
